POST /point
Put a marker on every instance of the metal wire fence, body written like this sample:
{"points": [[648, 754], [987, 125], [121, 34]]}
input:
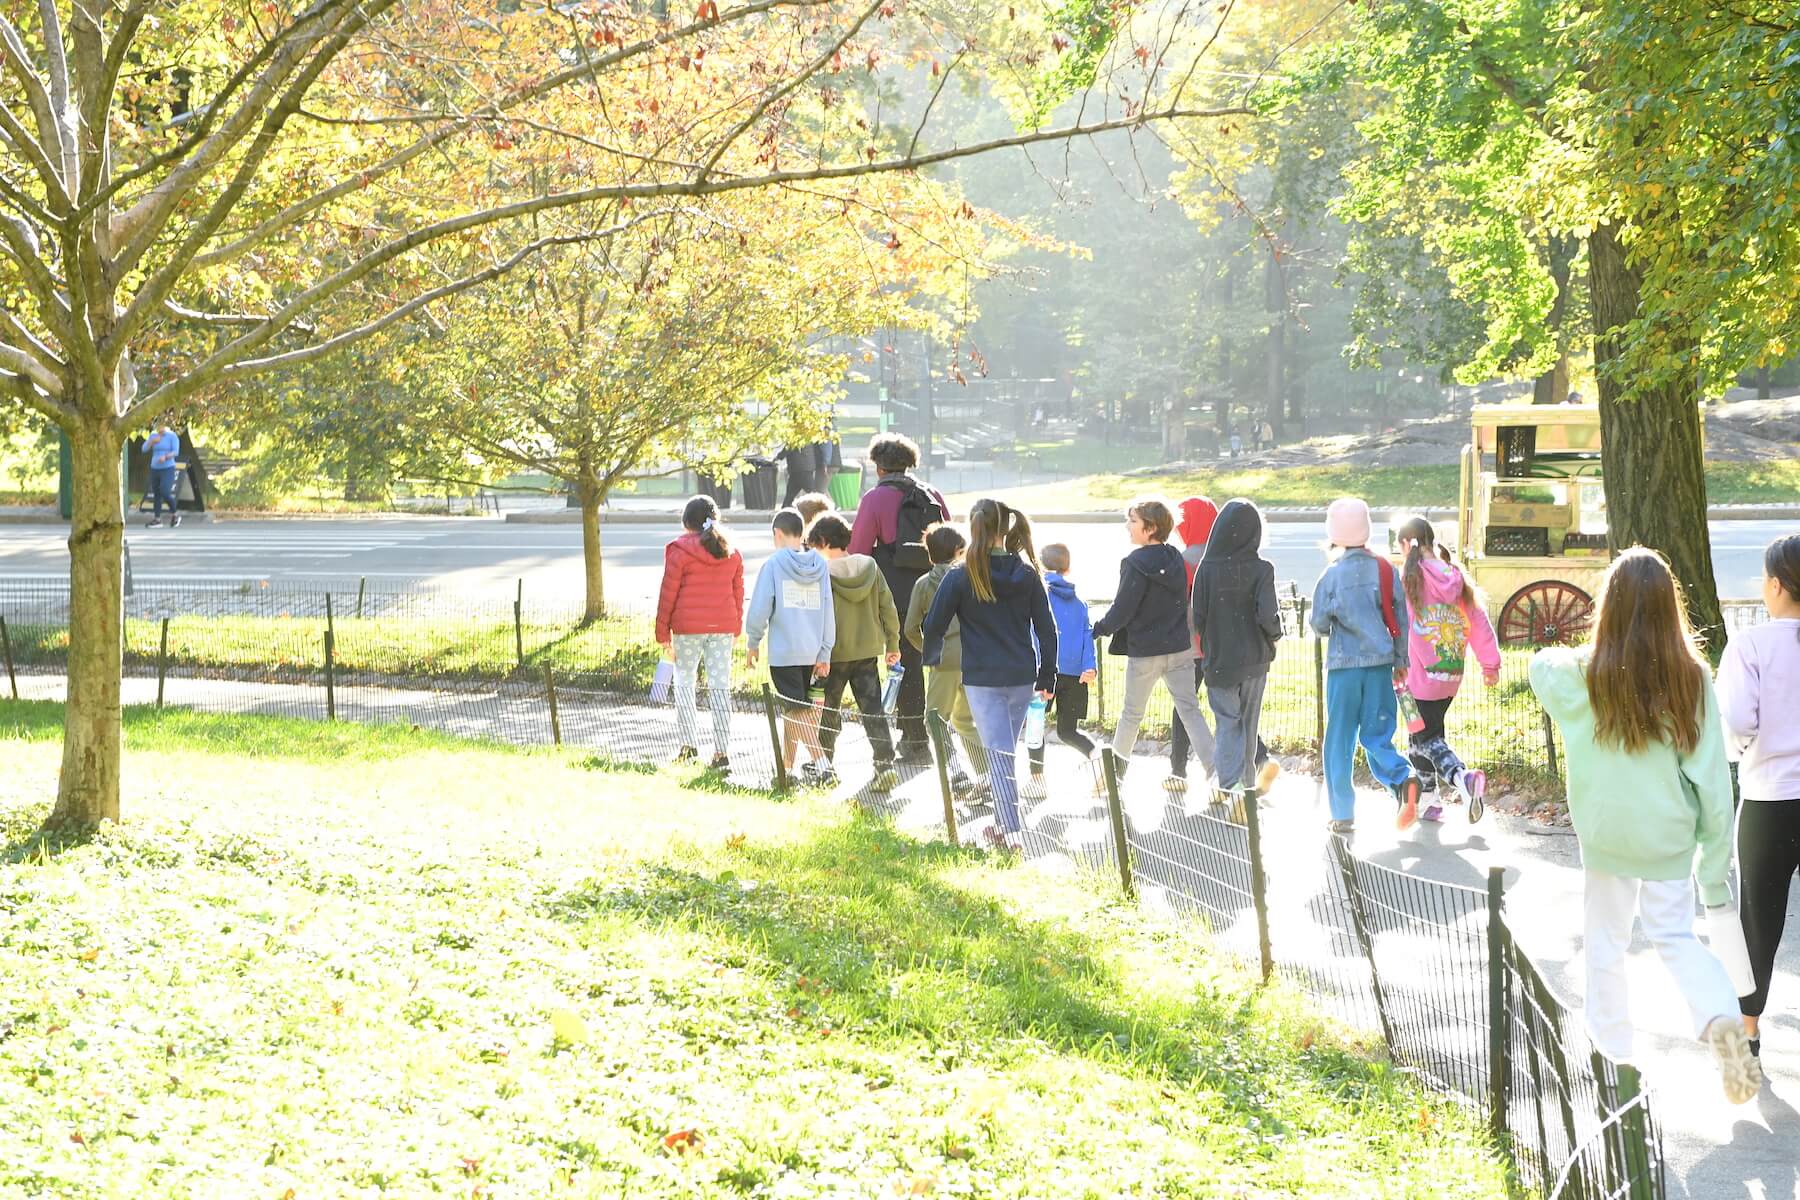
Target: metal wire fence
{"points": [[1429, 966]]}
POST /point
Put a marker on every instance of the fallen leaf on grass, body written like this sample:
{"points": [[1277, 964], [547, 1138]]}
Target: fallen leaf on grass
{"points": [[736, 841], [567, 1027], [75, 1136], [1426, 1120], [683, 1142], [90, 954], [471, 1166]]}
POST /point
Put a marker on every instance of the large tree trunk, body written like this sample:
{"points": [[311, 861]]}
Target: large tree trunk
{"points": [[590, 493], [88, 792], [1651, 444], [1763, 390]]}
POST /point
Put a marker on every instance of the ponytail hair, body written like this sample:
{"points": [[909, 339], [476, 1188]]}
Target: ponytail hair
{"points": [[1423, 537], [994, 528], [701, 516]]}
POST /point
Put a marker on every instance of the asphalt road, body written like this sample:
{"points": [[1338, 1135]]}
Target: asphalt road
{"points": [[486, 556]]}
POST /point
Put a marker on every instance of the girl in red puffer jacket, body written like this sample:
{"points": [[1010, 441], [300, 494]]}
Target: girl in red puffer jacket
{"points": [[699, 615]]}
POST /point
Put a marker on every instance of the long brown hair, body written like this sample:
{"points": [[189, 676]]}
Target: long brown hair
{"points": [[701, 516], [1781, 562], [1647, 675], [1423, 537], [995, 529]]}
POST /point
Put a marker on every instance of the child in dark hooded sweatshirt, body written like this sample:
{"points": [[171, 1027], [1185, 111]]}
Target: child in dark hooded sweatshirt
{"points": [[1236, 618], [1148, 624]]}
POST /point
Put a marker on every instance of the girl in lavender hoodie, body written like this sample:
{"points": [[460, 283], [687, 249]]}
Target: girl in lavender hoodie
{"points": [[1759, 693], [1447, 621]]}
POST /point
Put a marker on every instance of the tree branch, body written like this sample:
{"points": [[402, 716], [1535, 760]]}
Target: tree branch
{"points": [[46, 144], [300, 210], [26, 366]]}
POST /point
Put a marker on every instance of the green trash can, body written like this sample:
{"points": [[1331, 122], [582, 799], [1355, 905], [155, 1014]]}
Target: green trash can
{"points": [[846, 488]]}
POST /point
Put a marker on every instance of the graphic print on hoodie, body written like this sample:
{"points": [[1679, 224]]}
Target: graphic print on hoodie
{"points": [[792, 601], [1442, 631], [1149, 615]]}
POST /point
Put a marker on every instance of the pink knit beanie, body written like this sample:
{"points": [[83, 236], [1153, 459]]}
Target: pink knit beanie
{"points": [[1347, 522]]}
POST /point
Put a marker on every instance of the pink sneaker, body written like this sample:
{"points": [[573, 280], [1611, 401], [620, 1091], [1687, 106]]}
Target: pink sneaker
{"points": [[1433, 812], [1475, 787]]}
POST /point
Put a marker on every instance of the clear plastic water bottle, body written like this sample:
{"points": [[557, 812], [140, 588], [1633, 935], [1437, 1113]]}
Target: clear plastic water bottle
{"points": [[1409, 709], [890, 696], [1034, 723]]}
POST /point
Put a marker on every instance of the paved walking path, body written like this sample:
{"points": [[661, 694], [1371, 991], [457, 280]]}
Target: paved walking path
{"points": [[1715, 1151]]}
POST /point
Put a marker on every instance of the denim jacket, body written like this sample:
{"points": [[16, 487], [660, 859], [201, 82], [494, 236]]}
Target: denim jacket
{"points": [[1347, 609]]}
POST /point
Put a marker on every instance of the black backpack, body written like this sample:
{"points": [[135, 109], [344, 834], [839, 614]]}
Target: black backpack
{"points": [[918, 512]]}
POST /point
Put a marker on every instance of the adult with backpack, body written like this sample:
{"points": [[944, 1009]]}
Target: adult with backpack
{"points": [[890, 526]]}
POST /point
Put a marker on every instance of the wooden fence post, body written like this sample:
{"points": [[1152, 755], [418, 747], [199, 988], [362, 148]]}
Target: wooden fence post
{"points": [[1499, 1020], [940, 740], [555, 715], [362, 586], [1259, 879], [330, 666], [1109, 768], [781, 775], [162, 662], [6, 646], [519, 625]]}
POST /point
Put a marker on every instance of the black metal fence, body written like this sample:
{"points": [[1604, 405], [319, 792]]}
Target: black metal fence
{"points": [[1428, 966]]}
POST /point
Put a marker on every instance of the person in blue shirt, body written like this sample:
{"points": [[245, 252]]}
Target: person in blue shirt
{"points": [[1075, 665], [163, 447]]}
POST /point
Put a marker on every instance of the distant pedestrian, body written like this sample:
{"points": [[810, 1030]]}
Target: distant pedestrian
{"points": [[1359, 606], [1237, 618], [1265, 436], [868, 634], [890, 526], [792, 602], [1759, 693], [1237, 444], [1650, 797], [699, 614], [802, 472], [944, 692], [164, 449], [1446, 621], [1148, 624], [1009, 646], [1075, 665]]}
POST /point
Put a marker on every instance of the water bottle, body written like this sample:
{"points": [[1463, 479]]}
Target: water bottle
{"points": [[890, 696], [1409, 709], [1034, 723]]}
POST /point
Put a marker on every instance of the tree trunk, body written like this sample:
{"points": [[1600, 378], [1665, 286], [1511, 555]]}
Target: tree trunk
{"points": [[590, 493], [1655, 471], [1274, 372], [1763, 390], [1552, 387], [88, 792]]}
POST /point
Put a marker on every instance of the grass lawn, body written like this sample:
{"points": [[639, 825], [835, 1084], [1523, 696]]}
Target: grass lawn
{"points": [[1382, 487], [331, 961]]}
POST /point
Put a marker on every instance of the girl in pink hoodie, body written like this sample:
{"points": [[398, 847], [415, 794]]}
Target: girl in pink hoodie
{"points": [[1447, 621]]}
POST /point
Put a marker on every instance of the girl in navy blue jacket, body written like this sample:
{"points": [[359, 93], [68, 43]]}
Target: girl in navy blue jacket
{"points": [[1008, 644]]}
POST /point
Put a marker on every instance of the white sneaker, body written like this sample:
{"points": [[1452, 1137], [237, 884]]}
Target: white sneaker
{"points": [[1740, 1070]]}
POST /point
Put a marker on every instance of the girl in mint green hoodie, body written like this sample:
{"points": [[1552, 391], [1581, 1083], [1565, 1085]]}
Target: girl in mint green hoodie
{"points": [[1650, 795]]}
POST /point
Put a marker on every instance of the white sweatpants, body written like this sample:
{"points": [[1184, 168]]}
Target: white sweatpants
{"points": [[1666, 908]]}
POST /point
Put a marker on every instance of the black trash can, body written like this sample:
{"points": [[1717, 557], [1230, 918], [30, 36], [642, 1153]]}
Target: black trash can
{"points": [[759, 485], [718, 488]]}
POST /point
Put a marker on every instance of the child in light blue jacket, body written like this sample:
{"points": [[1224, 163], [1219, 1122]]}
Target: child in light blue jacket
{"points": [[1360, 606], [1075, 664]]}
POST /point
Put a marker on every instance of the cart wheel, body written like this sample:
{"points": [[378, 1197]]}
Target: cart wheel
{"points": [[1546, 613]]}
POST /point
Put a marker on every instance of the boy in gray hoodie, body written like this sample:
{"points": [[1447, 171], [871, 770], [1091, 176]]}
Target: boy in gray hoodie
{"points": [[792, 603]]}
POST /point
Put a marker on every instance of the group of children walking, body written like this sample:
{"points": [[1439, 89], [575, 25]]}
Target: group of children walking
{"points": [[1647, 732]]}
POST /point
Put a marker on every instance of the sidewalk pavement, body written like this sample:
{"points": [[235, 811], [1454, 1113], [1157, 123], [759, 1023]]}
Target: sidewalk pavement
{"points": [[1714, 1151]]}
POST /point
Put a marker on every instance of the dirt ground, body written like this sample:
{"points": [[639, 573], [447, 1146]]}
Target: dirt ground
{"points": [[1739, 430]]}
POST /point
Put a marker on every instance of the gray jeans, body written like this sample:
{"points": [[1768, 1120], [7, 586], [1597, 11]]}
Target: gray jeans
{"points": [[1176, 671], [1237, 709]]}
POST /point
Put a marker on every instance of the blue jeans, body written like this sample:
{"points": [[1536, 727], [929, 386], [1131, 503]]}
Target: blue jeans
{"points": [[162, 490], [1000, 719], [1360, 706]]}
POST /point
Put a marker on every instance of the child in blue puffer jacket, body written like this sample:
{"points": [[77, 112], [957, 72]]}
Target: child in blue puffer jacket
{"points": [[1075, 664], [1360, 605]]}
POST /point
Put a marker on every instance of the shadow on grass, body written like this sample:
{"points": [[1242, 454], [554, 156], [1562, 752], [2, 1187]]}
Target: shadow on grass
{"points": [[878, 944]]}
